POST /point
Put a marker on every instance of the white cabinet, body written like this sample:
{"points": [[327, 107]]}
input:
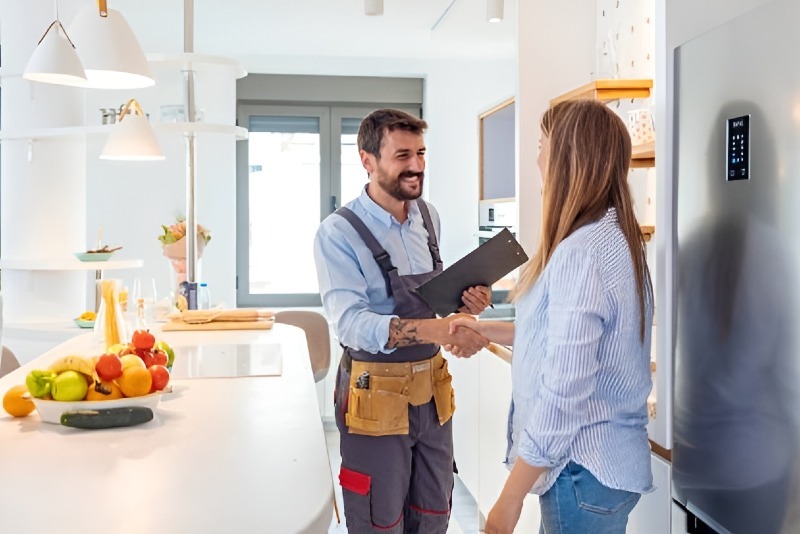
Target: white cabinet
{"points": [[652, 513]]}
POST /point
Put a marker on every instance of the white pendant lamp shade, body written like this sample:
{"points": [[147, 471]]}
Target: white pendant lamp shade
{"points": [[132, 138], [494, 10], [55, 60], [373, 7], [109, 51]]}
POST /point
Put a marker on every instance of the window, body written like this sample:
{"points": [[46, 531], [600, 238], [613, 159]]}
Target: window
{"points": [[299, 165]]}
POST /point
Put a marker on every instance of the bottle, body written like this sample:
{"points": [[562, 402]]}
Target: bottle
{"points": [[203, 297]]}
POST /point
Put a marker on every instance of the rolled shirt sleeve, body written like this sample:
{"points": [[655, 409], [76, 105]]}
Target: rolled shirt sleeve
{"points": [[344, 290], [576, 310]]}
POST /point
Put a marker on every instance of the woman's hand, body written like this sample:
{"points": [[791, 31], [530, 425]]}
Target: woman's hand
{"points": [[475, 299], [503, 516]]}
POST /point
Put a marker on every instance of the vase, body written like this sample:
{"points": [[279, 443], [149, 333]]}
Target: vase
{"points": [[176, 253]]}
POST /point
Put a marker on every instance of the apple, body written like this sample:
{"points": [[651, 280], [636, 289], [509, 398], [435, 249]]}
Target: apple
{"points": [[146, 356], [108, 367], [160, 377], [160, 358], [69, 386], [131, 360]]}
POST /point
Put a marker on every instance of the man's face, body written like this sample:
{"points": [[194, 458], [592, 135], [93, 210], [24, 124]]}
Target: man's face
{"points": [[400, 171]]}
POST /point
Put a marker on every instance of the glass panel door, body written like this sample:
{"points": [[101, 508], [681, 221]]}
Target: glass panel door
{"points": [[287, 168]]}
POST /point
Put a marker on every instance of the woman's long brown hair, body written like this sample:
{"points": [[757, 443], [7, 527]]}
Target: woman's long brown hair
{"points": [[586, 174]]}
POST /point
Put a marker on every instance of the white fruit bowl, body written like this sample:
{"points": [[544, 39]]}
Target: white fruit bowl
{"points": [[50, 411]]}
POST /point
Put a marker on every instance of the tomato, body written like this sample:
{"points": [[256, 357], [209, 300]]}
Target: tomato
{"points": [[108, 367], [143, 339], [160, 377]]}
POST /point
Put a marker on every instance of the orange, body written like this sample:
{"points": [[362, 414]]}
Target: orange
{"points": [[135, 381], [107, 391], [17, 401]]}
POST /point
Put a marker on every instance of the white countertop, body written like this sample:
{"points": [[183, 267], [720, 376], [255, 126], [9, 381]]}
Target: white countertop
{"points": [[244, 454]]}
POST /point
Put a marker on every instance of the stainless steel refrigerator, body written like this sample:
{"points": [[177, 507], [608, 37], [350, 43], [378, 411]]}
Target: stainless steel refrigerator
{"points": [[737, 230]]}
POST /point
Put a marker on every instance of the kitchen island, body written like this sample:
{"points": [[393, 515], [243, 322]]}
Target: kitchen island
{"points": [[237, 446]]}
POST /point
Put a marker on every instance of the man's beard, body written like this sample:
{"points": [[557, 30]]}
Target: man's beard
{"points": [[395, 187]]}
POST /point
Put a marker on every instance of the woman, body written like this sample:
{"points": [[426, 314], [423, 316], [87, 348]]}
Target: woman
{"points": [[581, 366]]}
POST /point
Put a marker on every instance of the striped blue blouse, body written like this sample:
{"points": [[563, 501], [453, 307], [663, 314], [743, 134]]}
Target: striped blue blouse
{"points": [[580, 374]]}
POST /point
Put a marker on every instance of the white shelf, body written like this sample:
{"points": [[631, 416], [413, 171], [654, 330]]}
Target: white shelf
{"points": [[67, 264], [195, 62], [158, 127]]}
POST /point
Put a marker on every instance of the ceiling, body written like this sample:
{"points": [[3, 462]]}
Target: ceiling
{"points": [[312, 29]]}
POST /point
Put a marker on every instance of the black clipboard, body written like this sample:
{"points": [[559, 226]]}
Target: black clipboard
{"points": [[482, 267]]}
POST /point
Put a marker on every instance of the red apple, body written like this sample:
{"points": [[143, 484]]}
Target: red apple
{"points": [[146, 356], [160, 357], [160, 377]]}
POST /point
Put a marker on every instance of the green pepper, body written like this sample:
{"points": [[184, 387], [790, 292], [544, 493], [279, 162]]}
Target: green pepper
{"points": [[39, 382]]}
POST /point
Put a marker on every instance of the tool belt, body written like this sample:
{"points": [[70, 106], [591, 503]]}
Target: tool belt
{"points": [[381, 392]]}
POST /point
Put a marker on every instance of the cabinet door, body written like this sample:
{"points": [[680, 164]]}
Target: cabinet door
{"points": [[495, 399], [652, 514]]}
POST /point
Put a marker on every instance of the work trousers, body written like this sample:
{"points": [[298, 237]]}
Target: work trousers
{"points": [[399, 483]]}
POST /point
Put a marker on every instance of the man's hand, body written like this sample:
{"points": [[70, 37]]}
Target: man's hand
{"points": [[462, 341], [475, 299]]}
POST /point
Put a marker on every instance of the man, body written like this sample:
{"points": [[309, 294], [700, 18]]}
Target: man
{"points": [[393, 399]]}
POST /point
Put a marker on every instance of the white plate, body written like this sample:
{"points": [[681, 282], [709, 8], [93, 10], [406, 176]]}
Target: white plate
{"points": [[50, 411]]}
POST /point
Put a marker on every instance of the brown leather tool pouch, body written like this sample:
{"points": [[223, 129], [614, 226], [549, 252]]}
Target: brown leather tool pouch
{"points": [[382, 408], [443, 393]]}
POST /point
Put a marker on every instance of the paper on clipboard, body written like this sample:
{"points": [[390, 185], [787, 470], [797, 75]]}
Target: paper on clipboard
{"points": [[482, 267]]}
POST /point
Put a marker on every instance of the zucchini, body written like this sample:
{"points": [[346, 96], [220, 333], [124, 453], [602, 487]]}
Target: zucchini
{"points": [[107, 417]]}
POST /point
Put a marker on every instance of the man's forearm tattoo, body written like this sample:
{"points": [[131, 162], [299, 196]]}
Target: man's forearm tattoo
{"points": [[403, 333]]}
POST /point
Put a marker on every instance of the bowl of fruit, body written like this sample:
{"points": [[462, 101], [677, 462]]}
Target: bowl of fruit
{"points": [[86, 319], [121, 387], [103, 253]]}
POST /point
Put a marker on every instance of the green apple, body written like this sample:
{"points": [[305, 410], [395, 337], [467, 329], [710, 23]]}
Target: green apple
{"points": [[162, 345], [69, 386]]}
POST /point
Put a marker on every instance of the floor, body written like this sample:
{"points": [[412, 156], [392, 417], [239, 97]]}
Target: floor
{"points": [[464, 519]]}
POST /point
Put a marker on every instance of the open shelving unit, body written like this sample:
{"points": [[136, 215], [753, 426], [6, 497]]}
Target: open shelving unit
{"points": [[608, 91]]}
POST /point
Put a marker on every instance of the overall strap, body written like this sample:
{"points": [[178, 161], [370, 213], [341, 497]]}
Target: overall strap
{"points": [[378, 252], [433, 243]]}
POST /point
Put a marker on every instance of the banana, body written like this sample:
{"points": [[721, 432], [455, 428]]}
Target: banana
{"points": [[73, 363]]}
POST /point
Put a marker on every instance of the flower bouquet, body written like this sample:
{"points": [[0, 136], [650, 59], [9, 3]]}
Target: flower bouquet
{"points": [[173, 244]]}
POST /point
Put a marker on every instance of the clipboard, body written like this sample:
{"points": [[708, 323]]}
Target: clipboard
{"points": [[482, 267]]}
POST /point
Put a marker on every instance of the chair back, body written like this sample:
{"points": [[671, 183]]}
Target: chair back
{"points": [[8, 362], [317, 335]]}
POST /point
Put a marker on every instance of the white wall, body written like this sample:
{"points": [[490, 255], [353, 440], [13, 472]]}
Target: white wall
{"points": [[456, 92]]}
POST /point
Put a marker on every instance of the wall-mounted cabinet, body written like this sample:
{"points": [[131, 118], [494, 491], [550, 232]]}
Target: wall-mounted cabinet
{"points": [[497, 152]]}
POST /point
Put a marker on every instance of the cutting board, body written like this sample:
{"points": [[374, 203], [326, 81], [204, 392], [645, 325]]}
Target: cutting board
{"points": [[218, 325]]}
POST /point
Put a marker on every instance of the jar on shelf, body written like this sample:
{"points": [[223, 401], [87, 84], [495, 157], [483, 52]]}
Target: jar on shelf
{"points": [[109, 327]]}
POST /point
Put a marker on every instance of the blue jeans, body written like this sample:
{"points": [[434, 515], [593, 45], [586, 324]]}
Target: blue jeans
{"points": [[579, 504]]}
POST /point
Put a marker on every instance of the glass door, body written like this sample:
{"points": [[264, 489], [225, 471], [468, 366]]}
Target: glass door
{"points": [[286, 191]]}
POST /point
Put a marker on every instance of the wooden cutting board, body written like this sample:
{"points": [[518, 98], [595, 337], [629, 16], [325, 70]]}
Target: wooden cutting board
{"points": [[218, 325]]}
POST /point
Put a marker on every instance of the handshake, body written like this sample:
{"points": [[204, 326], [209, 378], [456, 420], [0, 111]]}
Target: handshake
{"points": [[461, 335]]}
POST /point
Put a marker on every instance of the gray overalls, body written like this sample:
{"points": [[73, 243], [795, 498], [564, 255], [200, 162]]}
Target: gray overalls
{"points": [[396, 483]]}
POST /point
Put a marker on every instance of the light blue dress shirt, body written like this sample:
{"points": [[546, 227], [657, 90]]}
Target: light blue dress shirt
{"points": [[351, 284], [580, 374]]}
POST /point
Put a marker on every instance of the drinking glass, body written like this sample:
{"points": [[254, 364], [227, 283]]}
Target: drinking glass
{"points": [[143, 302]]}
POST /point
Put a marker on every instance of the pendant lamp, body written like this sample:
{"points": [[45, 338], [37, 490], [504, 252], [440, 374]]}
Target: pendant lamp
{"points": [[132, 138], [55, 59], [373, 7], [108, 49], [494, 10]]}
